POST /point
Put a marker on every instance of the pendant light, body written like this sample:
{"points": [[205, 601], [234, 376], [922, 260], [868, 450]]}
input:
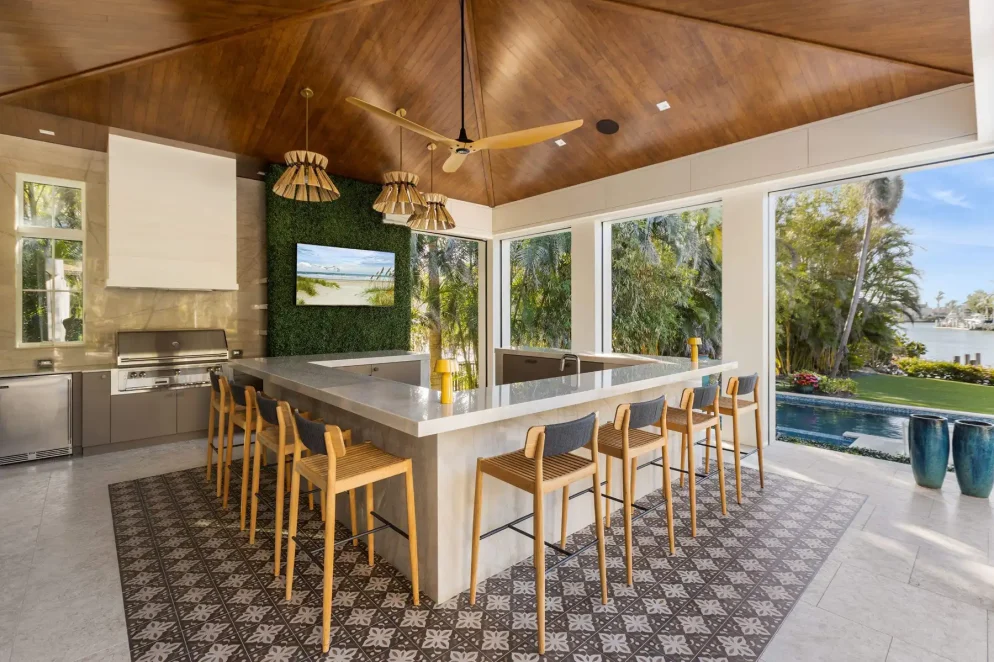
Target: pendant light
{"points": [[305, 178], [435, 216], [400, 193]]}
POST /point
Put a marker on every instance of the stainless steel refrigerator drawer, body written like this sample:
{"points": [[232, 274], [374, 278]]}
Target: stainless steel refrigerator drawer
{"points": [[35, 417]]}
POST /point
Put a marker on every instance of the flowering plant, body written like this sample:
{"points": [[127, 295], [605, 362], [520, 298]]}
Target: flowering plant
{"points": [[806, 379]]}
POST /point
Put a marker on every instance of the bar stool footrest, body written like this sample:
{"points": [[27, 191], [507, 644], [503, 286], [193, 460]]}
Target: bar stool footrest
{"points": [[742, 454], [304, 543]]}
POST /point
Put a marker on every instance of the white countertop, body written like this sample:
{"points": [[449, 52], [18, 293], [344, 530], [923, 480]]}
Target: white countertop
{"points": [[598, 357], [363, 358], [417, 411]]}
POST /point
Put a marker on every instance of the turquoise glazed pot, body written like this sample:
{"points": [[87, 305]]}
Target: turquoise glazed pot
{"points": [[928, 441], [973, 457]]}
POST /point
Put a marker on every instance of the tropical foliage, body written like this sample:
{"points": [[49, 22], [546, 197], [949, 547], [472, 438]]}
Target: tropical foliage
{"points": [[666, 283], [445, 302], [954, 372], [828, 318], [541, 270]]}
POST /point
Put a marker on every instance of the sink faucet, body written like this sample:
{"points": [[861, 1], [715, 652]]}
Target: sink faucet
{"points": [[566, 357]]}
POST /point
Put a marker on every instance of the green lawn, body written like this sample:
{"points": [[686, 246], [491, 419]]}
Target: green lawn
{"points": [[919, 392]]}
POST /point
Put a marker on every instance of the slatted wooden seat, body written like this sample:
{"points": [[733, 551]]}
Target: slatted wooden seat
{"points": [[732, 405], [546, 463], [273, 432], [698, 411], [336, 467], [623, 439]]}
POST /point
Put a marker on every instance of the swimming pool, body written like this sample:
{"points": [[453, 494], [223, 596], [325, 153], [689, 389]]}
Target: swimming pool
{"points": [[828, 420]]}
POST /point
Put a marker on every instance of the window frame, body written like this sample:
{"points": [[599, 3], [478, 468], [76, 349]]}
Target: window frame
{"points": [[504, 273], [22, 232], [607, 254]]}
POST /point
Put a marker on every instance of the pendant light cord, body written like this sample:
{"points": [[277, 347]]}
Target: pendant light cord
{"points": [[307, 124], [401, 149], [462, 61]]}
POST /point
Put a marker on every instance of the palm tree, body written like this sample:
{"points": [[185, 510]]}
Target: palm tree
{"points": [[883, 195], [938, 299]]}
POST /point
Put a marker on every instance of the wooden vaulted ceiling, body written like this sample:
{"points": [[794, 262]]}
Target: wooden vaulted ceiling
{"points": [[227, 73]]}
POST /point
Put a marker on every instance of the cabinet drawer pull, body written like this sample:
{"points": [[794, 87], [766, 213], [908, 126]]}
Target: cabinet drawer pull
{"points": [[531, 360]]}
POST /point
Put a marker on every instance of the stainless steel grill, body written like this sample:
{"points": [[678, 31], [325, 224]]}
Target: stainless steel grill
{"points": [[150, 360]]}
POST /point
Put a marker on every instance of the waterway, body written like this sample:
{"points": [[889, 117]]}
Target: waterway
{"points": [[943, 344]]}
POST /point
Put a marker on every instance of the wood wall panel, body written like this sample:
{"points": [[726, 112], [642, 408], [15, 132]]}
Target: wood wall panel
{"points": [[731, 70]]}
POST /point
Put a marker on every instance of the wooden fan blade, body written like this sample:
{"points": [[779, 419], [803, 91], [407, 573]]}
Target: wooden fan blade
{"points": [[527, 136], [406, 123], [453, 162]]}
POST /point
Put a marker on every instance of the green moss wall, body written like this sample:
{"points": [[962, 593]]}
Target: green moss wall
{"points": [[349, 222]]}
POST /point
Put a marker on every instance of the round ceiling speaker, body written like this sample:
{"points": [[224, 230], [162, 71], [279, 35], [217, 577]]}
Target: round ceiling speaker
{"points": [[607, 127]]}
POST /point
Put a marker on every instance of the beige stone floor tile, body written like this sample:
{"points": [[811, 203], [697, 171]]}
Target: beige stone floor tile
{"points": [[957, 577], [879, 554], [814, 635], [936, 623], [902, 651], [819, 583]]}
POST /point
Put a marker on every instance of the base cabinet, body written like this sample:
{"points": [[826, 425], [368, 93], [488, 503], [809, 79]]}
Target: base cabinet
{"points": [[136, 416], [405, 372], [192, 409], [95, 405]]}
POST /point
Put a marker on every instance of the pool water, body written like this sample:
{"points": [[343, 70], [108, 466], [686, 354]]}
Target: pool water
{"points": [[833, 422]]}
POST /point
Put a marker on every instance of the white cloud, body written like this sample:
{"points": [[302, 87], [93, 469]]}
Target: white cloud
{"points": [[950, 197]]}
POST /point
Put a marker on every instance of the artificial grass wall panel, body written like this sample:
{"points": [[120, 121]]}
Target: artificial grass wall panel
{"points": [[349, 222]]}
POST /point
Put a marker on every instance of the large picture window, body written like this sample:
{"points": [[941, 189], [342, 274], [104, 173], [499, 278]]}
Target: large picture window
{"points": [[50, 227], [666, 283], [445, 304], [540, 282]]}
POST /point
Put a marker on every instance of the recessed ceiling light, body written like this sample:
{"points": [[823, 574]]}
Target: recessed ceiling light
{"points": [[663, 105], [46, 132], [560, 142], [261, 173]]}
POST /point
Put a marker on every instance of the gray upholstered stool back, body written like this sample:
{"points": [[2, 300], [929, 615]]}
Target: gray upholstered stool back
{"points": [[646, 413], [215, 382], [311, 434], [238, 394], [267, 409], [561, 438], [747, 384], [704, 396]]}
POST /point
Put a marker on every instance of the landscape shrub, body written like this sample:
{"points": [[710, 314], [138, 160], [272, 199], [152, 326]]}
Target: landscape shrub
{"points": [[954, 372], [805, 379], [840, 386]]}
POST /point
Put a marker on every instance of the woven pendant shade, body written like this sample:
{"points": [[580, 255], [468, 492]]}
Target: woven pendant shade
{"points": [[435, 217], [305, 178], [400, 194]]}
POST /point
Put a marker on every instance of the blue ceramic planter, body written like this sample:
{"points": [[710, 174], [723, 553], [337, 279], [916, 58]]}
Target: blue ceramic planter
{"points": [[973, 457], [928, 441]]}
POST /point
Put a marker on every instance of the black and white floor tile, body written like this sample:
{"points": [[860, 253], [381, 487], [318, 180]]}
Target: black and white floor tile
{"points": [[194, 589]]}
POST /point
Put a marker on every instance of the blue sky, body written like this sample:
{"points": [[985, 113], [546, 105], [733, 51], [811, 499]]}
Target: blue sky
{"points": [[341, 260], [950, 210]]}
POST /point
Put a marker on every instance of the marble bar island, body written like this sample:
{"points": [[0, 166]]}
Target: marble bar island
{"points": [[406, 418]]}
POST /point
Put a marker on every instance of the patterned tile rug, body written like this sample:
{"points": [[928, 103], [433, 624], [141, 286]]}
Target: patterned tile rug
{"points": [[194, 589]]}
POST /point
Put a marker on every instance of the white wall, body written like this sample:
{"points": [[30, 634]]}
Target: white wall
{"points": [[914, 131], [171, 217]]}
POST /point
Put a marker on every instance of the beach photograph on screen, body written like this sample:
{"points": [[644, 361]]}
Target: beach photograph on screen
{"points": [[328, 276]]}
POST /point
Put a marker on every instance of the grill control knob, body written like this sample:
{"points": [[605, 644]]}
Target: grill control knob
{"points": [[132, 375], [141, 374], [176, 371]]}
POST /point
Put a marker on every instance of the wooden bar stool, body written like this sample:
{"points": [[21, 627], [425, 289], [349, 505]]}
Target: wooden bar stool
{"points": [[732, 406], [336, 468], [625, 441], [220, 404], [698, 411], [546, 463], [242, 414]]}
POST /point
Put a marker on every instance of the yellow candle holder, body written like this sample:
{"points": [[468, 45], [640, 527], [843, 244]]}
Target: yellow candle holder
{"points": [[694, 342], [445, 368]]}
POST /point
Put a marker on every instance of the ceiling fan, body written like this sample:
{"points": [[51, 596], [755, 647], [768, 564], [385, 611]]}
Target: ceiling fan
{"points": [[462, 146]]}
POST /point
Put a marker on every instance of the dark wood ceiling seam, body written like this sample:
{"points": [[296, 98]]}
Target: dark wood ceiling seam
{"points": [[323, 11], [634, 7], [473, 57]]}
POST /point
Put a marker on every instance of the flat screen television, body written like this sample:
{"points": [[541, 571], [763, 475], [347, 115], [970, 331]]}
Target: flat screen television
{"points": [[330, 276]]}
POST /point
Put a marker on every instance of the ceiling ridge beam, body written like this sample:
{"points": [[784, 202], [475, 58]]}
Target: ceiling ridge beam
{"points": [[473, 57], [324, 10], [634, 7]]}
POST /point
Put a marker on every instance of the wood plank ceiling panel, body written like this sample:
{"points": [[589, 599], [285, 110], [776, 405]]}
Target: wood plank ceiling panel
{"points": [[934, 33], [243, 95], [534, 62], [546, 61], [47, 39]]}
